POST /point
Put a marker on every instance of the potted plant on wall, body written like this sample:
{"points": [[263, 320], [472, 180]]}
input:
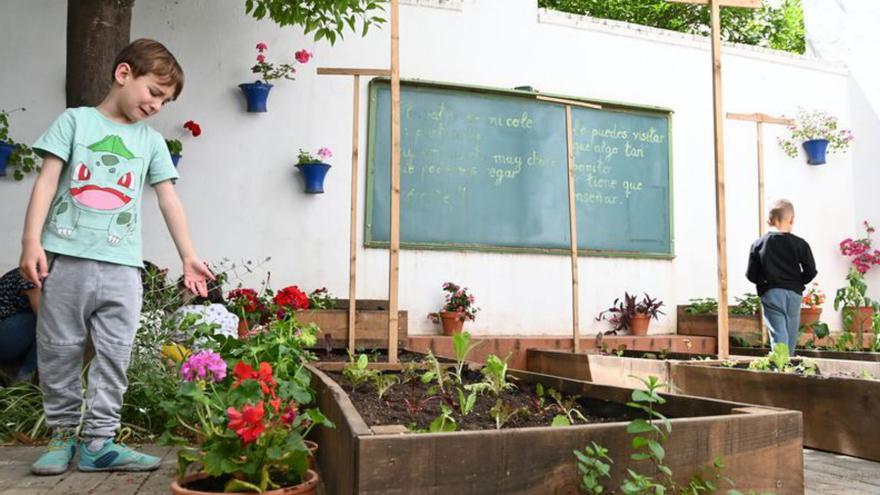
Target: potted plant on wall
{"points": [[811, 307], [14, 155], [819, 133], [175, 147], [457, 308], [313, 169], [632, 314], [257, 92], [858, 308]]}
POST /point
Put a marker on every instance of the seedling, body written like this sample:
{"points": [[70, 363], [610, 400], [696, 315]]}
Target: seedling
{"points": [[444, 422], [461, 343], [384, 382], [503, 413], [567, 408], [357, 371], [494, 377]]}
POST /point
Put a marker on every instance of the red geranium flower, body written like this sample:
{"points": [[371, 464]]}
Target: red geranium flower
{"points": [[193, 127], [248, 423], [291, 298], [244, 371]]}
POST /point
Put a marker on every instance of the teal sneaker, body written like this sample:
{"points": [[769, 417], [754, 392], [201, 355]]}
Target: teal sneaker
{"points": [[56, 459], [115, 457]]}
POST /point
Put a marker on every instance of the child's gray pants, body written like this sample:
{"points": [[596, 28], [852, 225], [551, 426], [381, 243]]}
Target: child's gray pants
{"points": [[79, 297]]}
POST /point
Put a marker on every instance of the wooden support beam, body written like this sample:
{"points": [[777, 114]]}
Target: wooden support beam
{"points": [[573, 103], [718, 124], [394, 244], [352, 234], [749, 4], [572, 220], [760, 119], [342, 71]]}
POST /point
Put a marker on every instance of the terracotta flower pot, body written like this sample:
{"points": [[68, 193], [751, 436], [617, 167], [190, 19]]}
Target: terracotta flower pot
{"points": [[309, 486], [862, 321], [639, 324], [452, 321], [242, 328], [313, 453], [808, 317]]}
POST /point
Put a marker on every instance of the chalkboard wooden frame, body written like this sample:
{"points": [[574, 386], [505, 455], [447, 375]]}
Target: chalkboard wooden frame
{"points": [[653, 111]]}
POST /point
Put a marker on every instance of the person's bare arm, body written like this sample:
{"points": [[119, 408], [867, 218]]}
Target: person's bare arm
{"points": [[195, 273], [33, 296], [33, 264]]}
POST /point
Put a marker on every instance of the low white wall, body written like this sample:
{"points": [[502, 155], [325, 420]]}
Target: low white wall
{"points": [[245, 202]]}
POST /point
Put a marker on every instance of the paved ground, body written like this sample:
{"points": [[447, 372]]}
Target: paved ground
{"points": [[825, 474]]}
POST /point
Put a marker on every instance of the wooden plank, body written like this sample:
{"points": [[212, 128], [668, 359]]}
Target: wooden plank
{"points": [[825, 427], [337, 457], [372, 326], [352, 234], [493, 462], [759, 117], [343, 71], [565, 101], [720, 205], [394, 241], [572, 223], [749, 4]]}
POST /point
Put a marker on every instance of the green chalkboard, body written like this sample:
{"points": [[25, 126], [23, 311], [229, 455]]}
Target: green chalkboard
{"points": [[486, 169]]}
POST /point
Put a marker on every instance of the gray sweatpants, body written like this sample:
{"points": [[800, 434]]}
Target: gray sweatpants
{"points": [[80, 298]]}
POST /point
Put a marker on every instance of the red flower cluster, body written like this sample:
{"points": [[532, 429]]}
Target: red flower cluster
{"points": [[252, 420], [263, 376], [291, 298], [193, 127], [248, 305], [247, 423], [863, 257]]}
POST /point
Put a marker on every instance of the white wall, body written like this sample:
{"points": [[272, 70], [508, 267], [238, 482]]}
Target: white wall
{"points": [[245, 201]]}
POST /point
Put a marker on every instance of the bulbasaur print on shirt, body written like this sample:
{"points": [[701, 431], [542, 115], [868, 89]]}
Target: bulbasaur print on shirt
{"points": [[104, 181], [95, 213]]}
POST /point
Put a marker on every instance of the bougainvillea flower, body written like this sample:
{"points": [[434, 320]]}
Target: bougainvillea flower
{"points": [[303, 56]]}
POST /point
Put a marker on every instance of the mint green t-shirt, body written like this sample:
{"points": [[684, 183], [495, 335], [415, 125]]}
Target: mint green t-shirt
{"points": [[96, 212]]}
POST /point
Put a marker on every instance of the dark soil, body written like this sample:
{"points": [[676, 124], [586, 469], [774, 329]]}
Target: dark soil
{"points": [[392, 409]]}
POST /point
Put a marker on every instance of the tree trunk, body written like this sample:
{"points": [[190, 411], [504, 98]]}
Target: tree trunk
{"points": [[96, 31]]}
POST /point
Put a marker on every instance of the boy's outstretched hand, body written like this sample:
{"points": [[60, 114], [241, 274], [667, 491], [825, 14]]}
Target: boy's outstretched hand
{"points": [[33, 265], [196, 275]]}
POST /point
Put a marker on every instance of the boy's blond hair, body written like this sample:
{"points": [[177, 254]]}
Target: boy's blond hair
{"points": [[146, 56], [780, 210]]}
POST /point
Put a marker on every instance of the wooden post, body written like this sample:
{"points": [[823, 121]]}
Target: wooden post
{"points": [[720, 205], [352, 234], [760, 119], [572, 221], [394, 245], [572, 216]]}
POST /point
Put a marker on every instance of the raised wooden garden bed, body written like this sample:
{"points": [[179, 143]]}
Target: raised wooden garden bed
{"points": [[747, 328], [618, 371], [371, 323], [761, 447], [838, 411], [811, 353]]}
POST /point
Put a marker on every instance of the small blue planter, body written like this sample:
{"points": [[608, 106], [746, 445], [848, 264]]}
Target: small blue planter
{"points": [[816, 151], [256, 93], [175, 159], [5, 151], [314, 174]]}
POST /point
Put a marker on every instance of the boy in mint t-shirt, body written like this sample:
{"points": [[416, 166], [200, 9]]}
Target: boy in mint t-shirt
{"points": [[82, 247]]}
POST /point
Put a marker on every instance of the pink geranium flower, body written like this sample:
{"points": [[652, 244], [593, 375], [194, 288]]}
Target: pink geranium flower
{"points": [[262, 46]]}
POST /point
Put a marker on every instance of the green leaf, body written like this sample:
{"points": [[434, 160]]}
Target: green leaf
{"points": [[560, 420], [639, 426]]}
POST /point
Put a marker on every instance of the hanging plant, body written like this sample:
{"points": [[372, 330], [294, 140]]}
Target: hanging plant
{"points": [[328, 19]]}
